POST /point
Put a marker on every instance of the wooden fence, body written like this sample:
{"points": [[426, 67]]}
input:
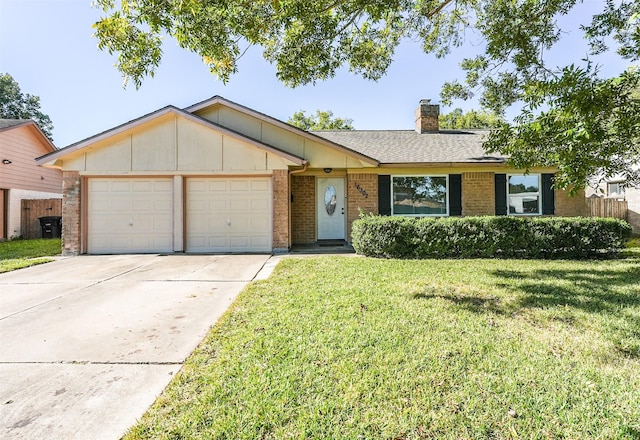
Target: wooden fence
{"points": [[601, 207], [32, 210]]}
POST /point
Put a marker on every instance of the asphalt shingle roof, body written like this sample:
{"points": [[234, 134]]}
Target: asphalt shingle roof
{"points": [[409, 146], [6, 123]]}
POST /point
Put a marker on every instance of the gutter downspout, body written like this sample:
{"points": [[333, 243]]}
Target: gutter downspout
{"points": [[304, 168]]}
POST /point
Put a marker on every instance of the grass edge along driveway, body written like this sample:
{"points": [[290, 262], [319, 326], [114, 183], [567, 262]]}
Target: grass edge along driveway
{"points": [[17, 254], [358, 348]]}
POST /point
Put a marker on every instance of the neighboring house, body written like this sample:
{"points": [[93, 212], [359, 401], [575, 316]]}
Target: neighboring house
{"points": [[21, 142], [221, 177], [618, 189]]}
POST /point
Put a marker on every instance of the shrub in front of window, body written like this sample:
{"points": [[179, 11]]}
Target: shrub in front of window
{"points": [[489, 237]]}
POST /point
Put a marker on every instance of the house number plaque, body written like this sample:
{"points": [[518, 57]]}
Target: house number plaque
{"points": [[361, 190]]}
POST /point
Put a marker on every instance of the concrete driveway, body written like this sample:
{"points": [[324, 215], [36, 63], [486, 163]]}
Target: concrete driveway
{"points": [[87, 343]]}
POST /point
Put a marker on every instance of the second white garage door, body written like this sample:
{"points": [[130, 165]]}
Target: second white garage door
{"points": [[228, 215]]}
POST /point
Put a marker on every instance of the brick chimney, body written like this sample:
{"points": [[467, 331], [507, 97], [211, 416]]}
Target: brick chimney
{"points": [[427, 117]]}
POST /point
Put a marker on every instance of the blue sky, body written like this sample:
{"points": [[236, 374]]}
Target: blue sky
{"points": [[46, 45]]}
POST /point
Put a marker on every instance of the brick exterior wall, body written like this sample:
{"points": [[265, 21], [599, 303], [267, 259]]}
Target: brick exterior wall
{"points": [[571, 206], [362, 194], [71, 192], [280, 209], [478, 194], [303, 209]]}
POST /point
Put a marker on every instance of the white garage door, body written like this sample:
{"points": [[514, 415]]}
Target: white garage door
{"points": [[133, 215], [229, 215]]}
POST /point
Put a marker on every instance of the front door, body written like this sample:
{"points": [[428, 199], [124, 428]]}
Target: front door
{"points": [[330, 208]]}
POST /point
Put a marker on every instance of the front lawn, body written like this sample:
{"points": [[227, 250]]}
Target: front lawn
{"points": [[358, 348], [16, 254]]}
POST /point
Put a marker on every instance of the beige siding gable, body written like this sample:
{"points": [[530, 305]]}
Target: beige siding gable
{"points": [[238, 158], [116, 156], [322, 156], [285, 140], [76, 162], [210, 114], [154, 149], [171, 144], [200, 148], [319, 155], [240, 122]]}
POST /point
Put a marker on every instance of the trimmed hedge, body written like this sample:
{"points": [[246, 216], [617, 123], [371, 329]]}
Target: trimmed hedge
{"points": [[489, 237]]}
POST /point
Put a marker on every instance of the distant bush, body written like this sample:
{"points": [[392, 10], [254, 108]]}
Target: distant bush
{"points": [[489, 237]]}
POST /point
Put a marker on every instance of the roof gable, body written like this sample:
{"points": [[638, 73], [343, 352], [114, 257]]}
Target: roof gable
{"points": [[11, 124], [207, 105], [50, 159]]}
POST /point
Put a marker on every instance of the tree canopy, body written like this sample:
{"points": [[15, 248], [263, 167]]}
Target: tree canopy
{"points": [[570, 116], [321, 120], [16, 105], [473, 119]]}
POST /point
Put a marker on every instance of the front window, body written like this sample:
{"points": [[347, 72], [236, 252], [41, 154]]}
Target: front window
{"points": [[523, 194], [615, 189], [419, 195]]}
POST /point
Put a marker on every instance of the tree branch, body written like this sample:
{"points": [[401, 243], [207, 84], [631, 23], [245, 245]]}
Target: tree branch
{"points": [[440, 7]]}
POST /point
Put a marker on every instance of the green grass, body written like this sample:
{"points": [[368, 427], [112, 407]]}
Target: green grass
{"points": [[16, 254], [358, 348]]}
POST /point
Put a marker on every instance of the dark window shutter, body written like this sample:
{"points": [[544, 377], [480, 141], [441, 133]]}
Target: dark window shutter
{"points": [[548, 195], [384, 194], [501, 194], [455, 194]]}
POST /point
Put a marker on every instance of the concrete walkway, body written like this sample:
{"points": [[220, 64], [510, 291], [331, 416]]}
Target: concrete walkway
{"points": [[87, 343]]}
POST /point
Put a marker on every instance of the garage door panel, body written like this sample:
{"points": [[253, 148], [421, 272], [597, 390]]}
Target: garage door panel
{"points": [[260, 241], [119, 205], [231, 215], [219, 242], [209, 242], [216, 185], [199, 242], [238, 222], [163, 186], [259, 226], [239, 242], [219, 205], [120, 186], [239, 204], [239, 185], [102, 242], [130, 215], [260, 185], [142, 205], [163, 242], [162, 224], [163, 205], [99, 186], [259, 204], [197, 205], [142, 186], [105, 223]]}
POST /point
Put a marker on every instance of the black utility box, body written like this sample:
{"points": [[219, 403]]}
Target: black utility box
{"points": [[51, 226]]}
